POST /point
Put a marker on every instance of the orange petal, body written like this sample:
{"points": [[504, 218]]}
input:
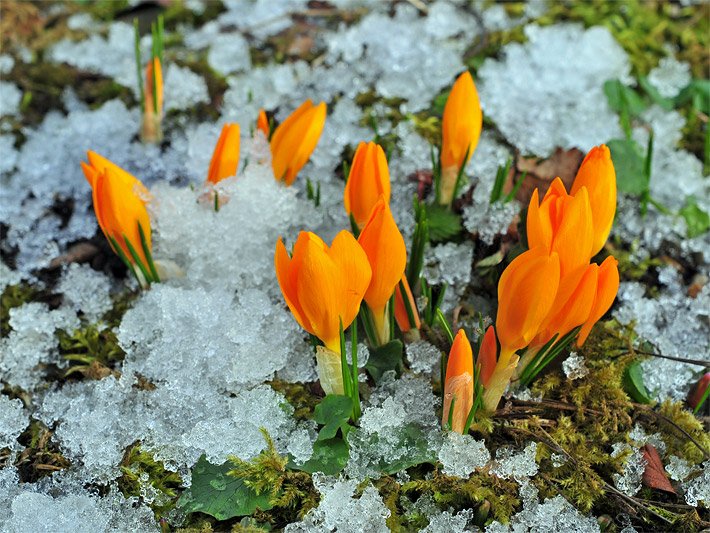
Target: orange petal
{"points": [[461, 124], [148, 87], [526, 292], [607, 287], [287, 282], [573, 303], [295, 139], [400, 310], [262, 123], [460, 357], [597, 174], [369, 179], [386, 252], [487, 355], [225, 158], [355, 268]]}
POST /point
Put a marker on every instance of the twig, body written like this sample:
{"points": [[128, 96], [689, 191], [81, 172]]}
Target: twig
{"points": [[549, 441], [421, 6], [649, 411], [698, 362]]}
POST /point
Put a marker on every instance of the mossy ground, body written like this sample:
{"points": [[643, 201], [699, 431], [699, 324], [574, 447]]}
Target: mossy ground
{"points": [[579, 420]]}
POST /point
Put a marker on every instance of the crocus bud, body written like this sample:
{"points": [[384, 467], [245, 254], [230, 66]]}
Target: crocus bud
{"points": [[487, 355], [562, 223], [696, 394], [607, 287], [459, 383], [119, 203], [385, 249], [225, 157], [598, 176], [404, 304], [295, 139], [369, 179], [460, 131], [153, 99], [262, 123]]}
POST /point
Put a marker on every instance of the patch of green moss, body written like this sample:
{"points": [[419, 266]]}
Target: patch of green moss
{"points": [[291, 493], [142, 474], [299, 395], [14, 296], [482, 491], [92, 351], [41, 457], [644, 27]]}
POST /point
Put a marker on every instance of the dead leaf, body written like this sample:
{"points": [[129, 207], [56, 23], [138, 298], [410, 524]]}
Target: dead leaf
{"points": [[541, 172], [654, 476]]}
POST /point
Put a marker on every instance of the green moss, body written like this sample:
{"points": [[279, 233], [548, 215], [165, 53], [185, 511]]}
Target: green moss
{"points": [[644, 27], [177, 13], [291, 493], [481, 489], [14, 296], [141, 471], [41, 457], [299, 396], [92, 351]]}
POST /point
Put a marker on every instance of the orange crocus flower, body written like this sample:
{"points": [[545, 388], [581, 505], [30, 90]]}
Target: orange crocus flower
{"points": [[408, 328], [460, 130], [385, 249], [323, 285], [369, 179], [225, 158], [562, 223], [153, 110], [598, 176], [119, 203], [295, 139], [526, 293], [607, 287], [458, 383], [262, 123]]}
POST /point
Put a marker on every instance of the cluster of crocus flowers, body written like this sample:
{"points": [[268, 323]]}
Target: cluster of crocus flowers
{"points": [[324, 287], [120, 206], [551, 294], [460, 130], [293, 141]]}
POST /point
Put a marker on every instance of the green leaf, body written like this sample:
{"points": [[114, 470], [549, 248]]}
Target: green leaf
{"points": [[633, 383], [333, 412], [384, 358], [629, 164], [698, 90], [329, 456], [415, 441], [443, 223], [619, 95], [215, 493], [697, 220]]}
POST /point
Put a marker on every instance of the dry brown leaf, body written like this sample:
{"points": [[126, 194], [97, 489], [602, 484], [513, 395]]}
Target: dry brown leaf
{"points": [[541, 172], [654, 476]]}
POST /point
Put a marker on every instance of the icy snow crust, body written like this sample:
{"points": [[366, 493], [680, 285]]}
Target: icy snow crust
{"points": [[208, 341]]}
